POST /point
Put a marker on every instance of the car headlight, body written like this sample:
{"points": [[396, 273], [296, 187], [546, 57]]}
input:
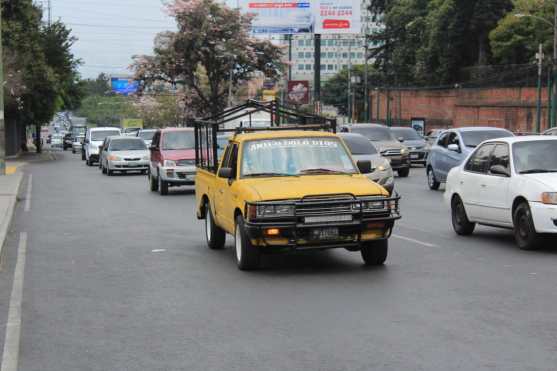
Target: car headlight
{"points": [[404, 151], [549, 198], [113, 158], [170, 163], [274, 211]]}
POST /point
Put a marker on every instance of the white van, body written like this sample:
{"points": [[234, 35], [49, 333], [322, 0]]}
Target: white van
{"points": [[93, 139]]}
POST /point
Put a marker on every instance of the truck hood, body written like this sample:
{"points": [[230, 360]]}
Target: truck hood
{"points": [[273, 189]]}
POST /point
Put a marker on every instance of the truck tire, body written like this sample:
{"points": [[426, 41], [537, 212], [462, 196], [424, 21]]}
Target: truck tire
{"points": [[163, 186], [375, 252], [461, 225], [153, 183], [403, 173], [247, 256], [214, 234], [524, 231]]}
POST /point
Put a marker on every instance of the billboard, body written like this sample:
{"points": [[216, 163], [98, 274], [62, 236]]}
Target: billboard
{"points": [[303, 16], [123, 86], [298, 92]]}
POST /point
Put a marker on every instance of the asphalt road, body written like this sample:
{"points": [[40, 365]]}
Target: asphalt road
{"points": [[118, 278]]}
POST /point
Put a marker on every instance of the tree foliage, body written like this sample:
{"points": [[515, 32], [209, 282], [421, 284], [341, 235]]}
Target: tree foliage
{"points": [[211, 48], [515, 40]]}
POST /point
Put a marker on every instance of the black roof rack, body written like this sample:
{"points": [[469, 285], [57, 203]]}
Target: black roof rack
{"points": [[283, 117]]}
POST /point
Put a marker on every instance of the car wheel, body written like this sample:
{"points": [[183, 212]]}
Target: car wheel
{"points": [[73, 151], [153, 183], [215, 235], [83, 156], [403, 173], [88, 162], [247, 256], [103, 169], [461, 225], [431, 180], [524, 231], [375, 252], [162, 186]]}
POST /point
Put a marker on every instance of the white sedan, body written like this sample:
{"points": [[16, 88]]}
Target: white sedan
{"points": [[509, 183]]}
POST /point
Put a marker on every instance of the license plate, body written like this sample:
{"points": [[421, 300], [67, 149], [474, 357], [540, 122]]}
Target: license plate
{"points": [[325, 234], [414, 156], [328, 219]]}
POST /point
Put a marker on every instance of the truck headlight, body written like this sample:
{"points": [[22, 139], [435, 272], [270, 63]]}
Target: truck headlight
{"points": [[274, 211], [169, 163], [549, 198]]}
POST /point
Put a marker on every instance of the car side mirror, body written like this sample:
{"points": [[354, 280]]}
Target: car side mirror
{"points": [[500, 170], [364, 167], [152, 148], [401, 139], [226, 172], [453, 147]]}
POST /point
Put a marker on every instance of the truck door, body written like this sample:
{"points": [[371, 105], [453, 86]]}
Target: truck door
{"points": [[225, 198]]}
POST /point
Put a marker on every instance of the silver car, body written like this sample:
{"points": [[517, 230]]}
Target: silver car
{"points": [[363, 150], [125, 154], [147, 135]]}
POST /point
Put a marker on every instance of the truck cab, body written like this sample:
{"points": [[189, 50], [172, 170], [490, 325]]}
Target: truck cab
{"points": [[291, 190]]}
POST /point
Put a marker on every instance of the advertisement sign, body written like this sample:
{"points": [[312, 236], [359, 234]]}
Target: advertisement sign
{"points": [[337, 17], [418, 124], [298, 92], [123, 86], [304, 16], [132, 123]]}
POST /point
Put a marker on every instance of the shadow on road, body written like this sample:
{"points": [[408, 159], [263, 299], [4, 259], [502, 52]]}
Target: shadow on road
{"points": [[504, 239]]}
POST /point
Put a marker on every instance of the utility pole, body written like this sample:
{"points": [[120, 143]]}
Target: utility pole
{"points": [[349, 81], [289, 56], [539, 58], [366, 89], [2, 126], [317, 74], [554, 75], [49, 13]]}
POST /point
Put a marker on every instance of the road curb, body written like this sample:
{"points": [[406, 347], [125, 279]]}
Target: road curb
{"points": [[8, 199]]}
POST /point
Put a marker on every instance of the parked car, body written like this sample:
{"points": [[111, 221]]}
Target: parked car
{"points": [[93, 139], [78, 135], [67, 142], [552, 131], [416, 144], [124, 154], [386, 143], [146, 135], [509, 183], [362, 149], [452, 148], [172, 159]]}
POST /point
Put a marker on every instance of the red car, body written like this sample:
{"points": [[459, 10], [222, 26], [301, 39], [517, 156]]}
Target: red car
{"points": [[172, 159]]}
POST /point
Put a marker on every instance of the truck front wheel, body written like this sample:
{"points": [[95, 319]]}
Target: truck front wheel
{"points": [[375, 252], [247, 256], [215, 235]]}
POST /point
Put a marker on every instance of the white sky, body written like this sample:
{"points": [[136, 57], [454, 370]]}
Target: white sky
{"points": [[110, 32]]}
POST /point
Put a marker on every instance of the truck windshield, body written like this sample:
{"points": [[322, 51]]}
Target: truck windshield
{"points": [[295, 156]]}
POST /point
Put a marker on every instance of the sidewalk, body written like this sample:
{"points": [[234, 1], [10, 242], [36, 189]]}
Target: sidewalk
{"points": [[9, 188]]}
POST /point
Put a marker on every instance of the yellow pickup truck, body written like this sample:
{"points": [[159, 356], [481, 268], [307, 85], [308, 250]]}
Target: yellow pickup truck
{"points": [[291, 190]]}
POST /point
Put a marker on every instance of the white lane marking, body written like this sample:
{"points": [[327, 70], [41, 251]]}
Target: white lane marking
{"points": [[10, 356], [28, 194], [418, 242], [158, 250]]}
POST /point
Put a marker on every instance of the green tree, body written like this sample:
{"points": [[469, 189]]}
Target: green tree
{"points": [[211, 49], [97, 86], [107, 110], [515, 40]]}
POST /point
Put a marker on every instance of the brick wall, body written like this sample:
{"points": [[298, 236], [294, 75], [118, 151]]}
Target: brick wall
{"points": [[511, 108]]}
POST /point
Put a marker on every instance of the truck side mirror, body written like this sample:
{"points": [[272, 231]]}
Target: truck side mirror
{"points": [[226, 172], [364, 167]]}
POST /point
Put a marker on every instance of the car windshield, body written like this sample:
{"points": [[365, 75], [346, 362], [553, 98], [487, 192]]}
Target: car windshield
{"points": [[535, 157], [78, 131], [296, 156], [127, 145], [406, 133], [100, 135], [174, 140], [146, 135], [374, 133], [474, 138], [359, 145]]}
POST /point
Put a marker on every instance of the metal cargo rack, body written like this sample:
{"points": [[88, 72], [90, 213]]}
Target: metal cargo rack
{"points": [[283, 117]]}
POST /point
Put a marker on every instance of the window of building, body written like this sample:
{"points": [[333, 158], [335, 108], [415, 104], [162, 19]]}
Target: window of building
{"points": [[309, 55], [344, 55], [344, 66], [309, 42], [330, 54], [301, 42], [360, 55], [330, 67], [308, 67], [300, 55], [352, 55], [323, 67], [301, 67]]}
